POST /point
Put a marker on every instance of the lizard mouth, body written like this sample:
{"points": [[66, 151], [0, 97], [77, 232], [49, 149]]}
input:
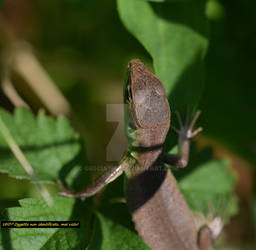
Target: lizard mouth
{"points": [[128, 88], [128, 94], [132, 121]]}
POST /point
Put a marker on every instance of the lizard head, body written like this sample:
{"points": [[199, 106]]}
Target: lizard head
{"points": [[147, 108]]}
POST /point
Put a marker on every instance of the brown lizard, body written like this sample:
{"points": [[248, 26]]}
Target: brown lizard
{"points": [[159, 211]]}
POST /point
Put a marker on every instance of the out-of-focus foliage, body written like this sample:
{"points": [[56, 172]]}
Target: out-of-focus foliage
{"points": [[49, 145], [175, 35], [211, 184], [36, 209], [229, 99], [85, 49]]}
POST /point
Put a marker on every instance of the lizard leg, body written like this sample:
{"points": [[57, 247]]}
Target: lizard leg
{"points": [[97, 185], [207, 234], [185, 133], [204, 238]]}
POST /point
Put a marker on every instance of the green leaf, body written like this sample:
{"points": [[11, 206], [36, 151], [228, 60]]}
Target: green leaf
{"points": [[111, 236], [175, 35], [211, 185], [214, 10], [161, 1], [157, 1], [48, 144], [229, 101], [35, 209]]}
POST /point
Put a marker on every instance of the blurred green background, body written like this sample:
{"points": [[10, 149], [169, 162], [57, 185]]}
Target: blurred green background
{"points": [[84, 48]]}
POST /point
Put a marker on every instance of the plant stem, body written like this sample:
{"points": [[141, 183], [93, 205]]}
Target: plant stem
{"points": [[24, 162]]}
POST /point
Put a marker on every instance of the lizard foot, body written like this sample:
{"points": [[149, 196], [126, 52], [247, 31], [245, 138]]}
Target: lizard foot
{"points": [[186, 130]]}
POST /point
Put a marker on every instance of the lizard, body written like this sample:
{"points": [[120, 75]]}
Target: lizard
{"points": [[160, 213]]}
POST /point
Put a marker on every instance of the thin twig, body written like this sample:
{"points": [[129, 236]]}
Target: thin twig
{"points": [[26, 64], [24, 162]]}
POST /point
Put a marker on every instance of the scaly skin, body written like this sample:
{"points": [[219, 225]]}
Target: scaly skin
{"points": [[159, 211]]}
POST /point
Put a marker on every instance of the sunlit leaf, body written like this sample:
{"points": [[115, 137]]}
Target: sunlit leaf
{"points": [[35, 209], [48, 144], [211, 186], [175, 35]]}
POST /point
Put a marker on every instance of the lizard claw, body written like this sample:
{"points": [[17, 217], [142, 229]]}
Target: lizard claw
{"points": [[186, 129]]}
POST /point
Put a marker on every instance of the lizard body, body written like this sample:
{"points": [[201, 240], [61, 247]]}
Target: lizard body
{"points": [[159, 211]]}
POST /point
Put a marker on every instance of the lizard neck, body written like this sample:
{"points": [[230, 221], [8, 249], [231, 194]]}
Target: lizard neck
{"points": [[143, 159]]}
